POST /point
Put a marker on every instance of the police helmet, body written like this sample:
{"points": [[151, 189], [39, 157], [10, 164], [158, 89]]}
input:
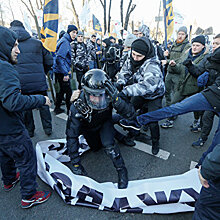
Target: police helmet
{"points": [[93, 85]]}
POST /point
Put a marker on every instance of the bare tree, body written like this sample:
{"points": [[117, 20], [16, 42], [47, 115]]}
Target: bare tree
{"points": [[121, 12], [1, 14], [130, 8], [109, 16], [75, 14], [10, 8], [103, 3], [30, 8]]}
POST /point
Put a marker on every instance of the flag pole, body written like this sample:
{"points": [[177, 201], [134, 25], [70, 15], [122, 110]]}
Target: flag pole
{"points": [[165, 23]]}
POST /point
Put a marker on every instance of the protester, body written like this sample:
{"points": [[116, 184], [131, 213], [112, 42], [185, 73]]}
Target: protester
{"points": [[205, 80], [91, 50], [110, 59], [79, 57], [187, 84], [62, 68], [34, 62], [16, 150], [91, 116], [127, 48], [179, 47], [208, 203], [141, 79]]}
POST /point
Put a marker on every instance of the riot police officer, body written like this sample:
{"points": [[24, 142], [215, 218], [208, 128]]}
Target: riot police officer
{"points": [[91, 116]]}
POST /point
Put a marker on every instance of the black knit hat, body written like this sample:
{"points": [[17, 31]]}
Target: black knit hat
{"points": [[200, 39], [71, 27], [16, 23], [140, 47]]}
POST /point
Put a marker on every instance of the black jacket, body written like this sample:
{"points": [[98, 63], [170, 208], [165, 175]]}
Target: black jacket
{"points": [[211, 165], [33, 62], [12, 102]]}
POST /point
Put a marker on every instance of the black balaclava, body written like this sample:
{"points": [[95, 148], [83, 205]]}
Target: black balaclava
{"points": [[107, 42], [143, 46]]}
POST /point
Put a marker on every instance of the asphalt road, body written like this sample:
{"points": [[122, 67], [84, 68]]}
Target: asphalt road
{"points": [[177, 141]]}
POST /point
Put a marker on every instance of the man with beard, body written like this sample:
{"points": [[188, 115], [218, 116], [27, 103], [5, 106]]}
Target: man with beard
{"points": [[16, 149]]}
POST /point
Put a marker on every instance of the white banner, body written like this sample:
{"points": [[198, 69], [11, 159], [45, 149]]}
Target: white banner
{"points": [[162, 195]]}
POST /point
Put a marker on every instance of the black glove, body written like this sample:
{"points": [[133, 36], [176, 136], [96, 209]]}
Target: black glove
{"points": [[187, 62], [78, 65], [119, 87], [111, 90]]}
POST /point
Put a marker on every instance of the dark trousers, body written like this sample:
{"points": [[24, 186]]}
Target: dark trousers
{"points": [[45, 119], [151, 105], [17, 152], [207, 122], [79, 75], [65, 88], [98, 138], [208, 204]]}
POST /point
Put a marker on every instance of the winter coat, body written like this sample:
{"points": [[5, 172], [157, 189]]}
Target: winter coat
{"points": [[177, 50], [147, 81], [187, 84], [63, 55], [33, 62], [210, 64], [91, 50], [210, 169], [12, 102], [79, 56]]}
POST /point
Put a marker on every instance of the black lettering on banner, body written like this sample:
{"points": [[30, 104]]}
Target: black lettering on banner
{"points": [[94, 194], [162, 199]]}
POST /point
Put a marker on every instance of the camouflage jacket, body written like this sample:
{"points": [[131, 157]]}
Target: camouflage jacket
{"points": [[146, 82], [91, 50]]}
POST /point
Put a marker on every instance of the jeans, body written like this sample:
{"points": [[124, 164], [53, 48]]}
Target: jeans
{"points": [[196, 102], [17, 152]]}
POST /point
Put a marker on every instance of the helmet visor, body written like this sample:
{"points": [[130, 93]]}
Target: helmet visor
{"points": [[96, 99]]}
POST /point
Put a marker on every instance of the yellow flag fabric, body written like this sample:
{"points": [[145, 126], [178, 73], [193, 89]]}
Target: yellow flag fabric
{"points": [[168, 18], [50, 25]]}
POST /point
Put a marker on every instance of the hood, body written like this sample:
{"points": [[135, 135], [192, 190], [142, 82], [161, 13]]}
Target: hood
{"points": [[67, 36], [21, 32], [7, 42], [151, 50], [108, 42]]}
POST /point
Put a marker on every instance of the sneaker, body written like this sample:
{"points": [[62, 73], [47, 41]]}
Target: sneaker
{"points": [[198, 143], [9, 187], [58, 111], [167, 124], [194, 124], [155, 148], [196, 129], [37, 198], [78, 169], [130, 124]]}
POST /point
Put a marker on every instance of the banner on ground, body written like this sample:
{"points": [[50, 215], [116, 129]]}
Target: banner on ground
{"points": [[164, 195], [50, 25]]}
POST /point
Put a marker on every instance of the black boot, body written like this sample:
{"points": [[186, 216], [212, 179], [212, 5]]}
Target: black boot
{"points": [[155, 147], [78, 169], [114, 153], [122, 178]]}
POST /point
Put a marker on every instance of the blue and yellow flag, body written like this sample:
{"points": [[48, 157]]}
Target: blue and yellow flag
{"points": [[168, 19], [50, 25], [96, 24]]}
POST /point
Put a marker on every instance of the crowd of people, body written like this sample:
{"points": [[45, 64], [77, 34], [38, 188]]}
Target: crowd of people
{"points": [[120, 83]]}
